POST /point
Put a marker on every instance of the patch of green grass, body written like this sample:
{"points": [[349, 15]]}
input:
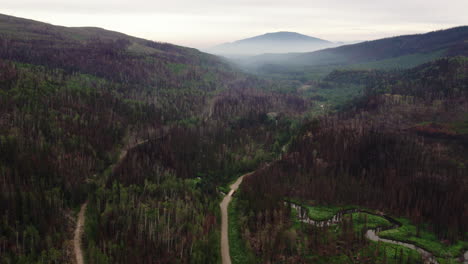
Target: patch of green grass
{"points": [[406, 233], [390, 253], [240, 253], [193, 182], [365, 220], [322, 212], [448, 261], [335, 96], [296, 224], [378, 251], [426, 240]]}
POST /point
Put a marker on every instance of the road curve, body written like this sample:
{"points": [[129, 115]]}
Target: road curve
{"points": [[79, 234], [225, 256], [81, 216]]}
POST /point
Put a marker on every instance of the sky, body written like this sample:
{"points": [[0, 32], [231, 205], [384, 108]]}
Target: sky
{"points": [[205, 23]]}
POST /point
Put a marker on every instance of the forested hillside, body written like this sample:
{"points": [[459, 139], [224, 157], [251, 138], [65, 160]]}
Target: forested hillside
{"points": [[74, 100], [449, 42], [452, 41], [401, 149], [146, 137], [394, 53]]}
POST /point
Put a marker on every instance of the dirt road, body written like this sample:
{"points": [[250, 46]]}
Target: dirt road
{"points": [[81, 216], [225, 256], [79, 234]]}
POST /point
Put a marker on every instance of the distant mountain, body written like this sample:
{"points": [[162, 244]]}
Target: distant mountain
{"points": [[278, 42], [449, 42]]}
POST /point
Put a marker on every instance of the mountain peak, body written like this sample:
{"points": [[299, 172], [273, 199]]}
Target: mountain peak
{"points": [[285, 36], [272, 42]]}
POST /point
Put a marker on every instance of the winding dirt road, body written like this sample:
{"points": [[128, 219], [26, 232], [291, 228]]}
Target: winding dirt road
{"points": [[225, 256], [79, 234], [81, 216]]}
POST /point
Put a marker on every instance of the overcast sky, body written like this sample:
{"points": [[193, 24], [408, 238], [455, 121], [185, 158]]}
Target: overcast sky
{"points": [[204, 23]]}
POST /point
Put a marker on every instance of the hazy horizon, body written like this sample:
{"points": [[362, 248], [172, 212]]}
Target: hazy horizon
{"points": [[207, 23]]}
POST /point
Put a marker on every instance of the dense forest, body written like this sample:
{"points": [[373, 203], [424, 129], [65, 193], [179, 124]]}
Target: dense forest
{"points": [[149, 135], [400, 149], [80, 98]]}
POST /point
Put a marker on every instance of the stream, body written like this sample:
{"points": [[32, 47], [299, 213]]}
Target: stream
{"points": [[371, 234]]}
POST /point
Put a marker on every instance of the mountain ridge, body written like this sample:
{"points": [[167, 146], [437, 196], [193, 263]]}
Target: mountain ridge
{"points": [[272, 42], [452, 41], [282, 35]]}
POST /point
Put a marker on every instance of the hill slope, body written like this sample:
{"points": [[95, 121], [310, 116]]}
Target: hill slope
{"points": [[144, 70], [71, 99], [405, 140], [278, 42], [450, 42]]}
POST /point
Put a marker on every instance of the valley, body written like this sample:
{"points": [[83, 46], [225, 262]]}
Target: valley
{"points": [[118, 149], [383, 223]]}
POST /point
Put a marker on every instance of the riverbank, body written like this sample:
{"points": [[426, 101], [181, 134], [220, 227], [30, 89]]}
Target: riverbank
{"points": [[383, 228]]}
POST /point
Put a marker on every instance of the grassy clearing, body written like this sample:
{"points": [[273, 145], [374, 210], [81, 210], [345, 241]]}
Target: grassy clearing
{"points": [[406, 233], [427, 240], [360, 219], [448, 261], [334, 96], [365, 220], [240, 253], [296, 224], [390, 253], [386, 253], [322, 212]]}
